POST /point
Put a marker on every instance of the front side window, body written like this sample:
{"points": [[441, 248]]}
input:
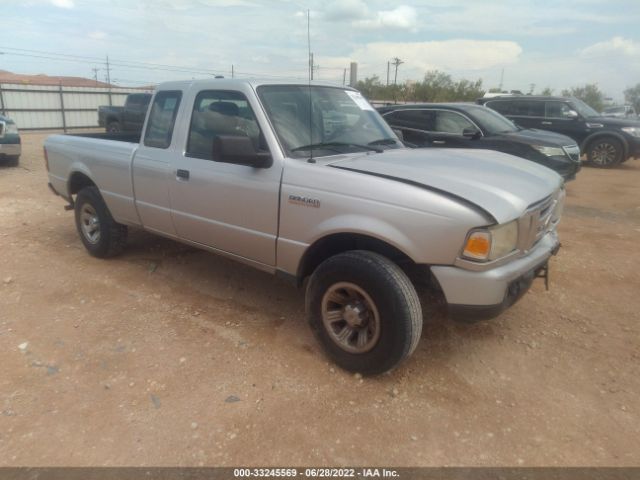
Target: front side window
{"points": [[491, 121], [220, 112], [162, 119], [583, 109], [557, 110], [323, 121], [452, 122]]}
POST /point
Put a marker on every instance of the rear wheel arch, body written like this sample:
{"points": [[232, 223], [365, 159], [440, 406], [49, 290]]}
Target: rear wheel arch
{"points": [[77, 181]]}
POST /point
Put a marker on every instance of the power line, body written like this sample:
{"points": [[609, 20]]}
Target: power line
{"points": [[136, 65]]}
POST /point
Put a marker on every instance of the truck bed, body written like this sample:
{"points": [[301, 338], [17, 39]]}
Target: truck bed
{"points": [[105, 158], [129, 137]]}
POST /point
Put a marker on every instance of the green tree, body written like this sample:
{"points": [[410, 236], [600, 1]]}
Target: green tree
{"points": [[589, 94], [369, 86], [547, 92], [632, 96], [435, 87]]}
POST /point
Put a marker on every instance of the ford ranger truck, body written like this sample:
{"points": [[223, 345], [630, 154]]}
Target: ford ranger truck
{"points": [[307, 182]]}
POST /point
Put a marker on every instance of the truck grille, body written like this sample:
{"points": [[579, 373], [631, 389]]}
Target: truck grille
{"points": [[539, 219], [573, 151]]}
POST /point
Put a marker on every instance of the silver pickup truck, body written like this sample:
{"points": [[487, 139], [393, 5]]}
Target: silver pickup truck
{"points": [[306, 181]]}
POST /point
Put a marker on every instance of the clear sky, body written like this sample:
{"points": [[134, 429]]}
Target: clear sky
{"points": [[554, 44]]}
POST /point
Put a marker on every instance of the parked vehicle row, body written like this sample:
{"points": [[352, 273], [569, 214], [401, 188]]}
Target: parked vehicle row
{"points": [[309, 183], [606, 141], [10, 144], [128, 118], [620, 111], [462, 125]]}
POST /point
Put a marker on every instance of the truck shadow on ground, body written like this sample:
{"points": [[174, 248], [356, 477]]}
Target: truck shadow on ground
{"points": [[198, 277]]}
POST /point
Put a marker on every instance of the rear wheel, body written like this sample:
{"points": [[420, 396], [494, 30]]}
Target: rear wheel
{"points": [[605, 152], [101, 235], [365, 311]]}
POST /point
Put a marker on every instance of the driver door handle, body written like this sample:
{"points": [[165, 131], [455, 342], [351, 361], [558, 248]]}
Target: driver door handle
{"points": [[439, 142], [182, 174], [546, 123]]}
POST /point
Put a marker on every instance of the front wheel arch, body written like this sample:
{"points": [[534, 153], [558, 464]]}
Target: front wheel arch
{"points": [[598, 135], [336, 243]]}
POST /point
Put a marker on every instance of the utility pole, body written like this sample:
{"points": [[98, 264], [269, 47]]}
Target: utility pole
{"points": [[95, 74], [311, 67], [109, 81], [231, 70], [108, 71], [501, 80], [388, 64], [396, 62], [344, 76]]}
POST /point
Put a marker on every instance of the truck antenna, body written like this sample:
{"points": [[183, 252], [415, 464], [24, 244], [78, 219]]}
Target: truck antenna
{"points": [[311, 159]]}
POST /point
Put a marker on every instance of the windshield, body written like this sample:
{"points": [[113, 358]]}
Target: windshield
{"points": [[583, 109], [491, 121], [322, 121]]}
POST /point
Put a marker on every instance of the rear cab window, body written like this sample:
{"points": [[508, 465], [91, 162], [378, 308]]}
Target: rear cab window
{"points": [[162, 119]]}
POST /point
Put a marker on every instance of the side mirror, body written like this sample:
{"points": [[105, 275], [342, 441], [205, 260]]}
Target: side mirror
{"points": [[398, 133], [239, 149], [471, 133], [572, 114]]}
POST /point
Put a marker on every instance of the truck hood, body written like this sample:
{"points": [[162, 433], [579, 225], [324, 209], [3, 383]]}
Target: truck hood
{"points": [[532, 136], [501, 185]]}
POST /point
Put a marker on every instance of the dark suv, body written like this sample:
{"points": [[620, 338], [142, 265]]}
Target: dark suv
{"points": [[606, 141], [466, 125]]}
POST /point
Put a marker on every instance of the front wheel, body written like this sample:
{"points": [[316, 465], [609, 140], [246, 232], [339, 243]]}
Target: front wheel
{"points": [[605, 152], [365, 311], [101, 235]]}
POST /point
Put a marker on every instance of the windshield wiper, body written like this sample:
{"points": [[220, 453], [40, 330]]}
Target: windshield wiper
{"points": [[384, 141], [329, 145]]}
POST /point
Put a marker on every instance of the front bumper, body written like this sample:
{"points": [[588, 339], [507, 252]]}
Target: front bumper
{"points": [[10, 149], [482, 295]]}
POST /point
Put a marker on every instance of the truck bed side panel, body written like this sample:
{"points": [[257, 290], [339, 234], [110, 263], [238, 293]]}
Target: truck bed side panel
{"points": [[106, 162]]}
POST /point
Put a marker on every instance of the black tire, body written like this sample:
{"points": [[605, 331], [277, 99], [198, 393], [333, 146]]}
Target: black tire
{"points": [[395, 301], [101, 235], [11, 160], [605, 152], [113, 127]]}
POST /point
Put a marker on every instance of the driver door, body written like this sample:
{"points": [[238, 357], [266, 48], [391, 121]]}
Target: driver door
{"points": [[225, 206]]}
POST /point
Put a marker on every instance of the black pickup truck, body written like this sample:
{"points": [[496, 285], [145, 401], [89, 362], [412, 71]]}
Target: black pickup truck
{"points": [[125, 119]]}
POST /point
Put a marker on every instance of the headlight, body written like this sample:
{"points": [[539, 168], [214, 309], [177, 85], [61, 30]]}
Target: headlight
{"points": [[633, 131], [11, 128], [491, 243], [550, 151]]}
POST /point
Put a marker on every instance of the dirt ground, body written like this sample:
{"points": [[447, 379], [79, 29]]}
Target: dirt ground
{"points": [[168, 355]]}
